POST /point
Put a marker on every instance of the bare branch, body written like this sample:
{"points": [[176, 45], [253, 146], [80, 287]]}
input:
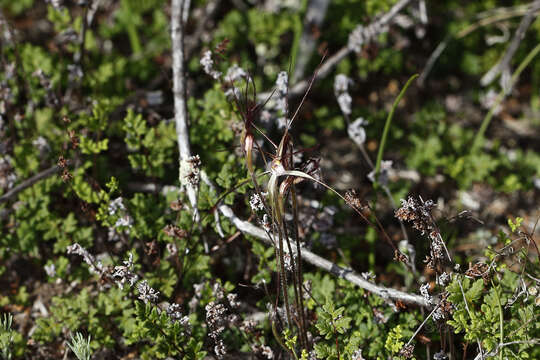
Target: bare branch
{"points": [[500, 346], [179, 92], [367, 33], [316, 260], [315, 14], [503, 66], [29, 182], [486, 18]]}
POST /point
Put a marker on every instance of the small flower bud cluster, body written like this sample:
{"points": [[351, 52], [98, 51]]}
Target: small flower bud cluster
{"points": [[216, 314], [116, 205], [95, 266], [175, 231], [438, 314], [362, 34], [208, 65], [277, 106], [50, 97], [7, 175], [441, 355], [353, 199], [282, 84], [124, 274], [266, 223], [407, 351], [232, 298], [357, 355], [234, 73], [444, 279], [190, 169], [289, 260], [419, 213], [215, 320], [384, 172], [57, 4], [50, 270], [146, 293], [256, 202], [341, 91], [175, 314], [356, 131], [248, 326], [424, 291], [263, 350], [124, 221]]}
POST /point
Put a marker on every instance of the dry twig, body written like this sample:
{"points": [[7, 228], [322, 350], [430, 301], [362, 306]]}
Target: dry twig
{"points": [[29, 182], [503, 66], [368, 32]]}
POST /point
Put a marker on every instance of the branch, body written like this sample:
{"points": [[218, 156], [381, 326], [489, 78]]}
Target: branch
{"points": [[179, 92], [500, 346], [315, 14], [367, 33], [486, 18], [503, 66], [29, 182], [316, 260]]}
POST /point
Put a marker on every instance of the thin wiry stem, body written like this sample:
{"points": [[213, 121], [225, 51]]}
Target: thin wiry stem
{"points": [[469, 312], [299, 273]]}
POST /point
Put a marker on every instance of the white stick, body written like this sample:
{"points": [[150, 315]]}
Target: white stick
{"points": [[179, 92]]}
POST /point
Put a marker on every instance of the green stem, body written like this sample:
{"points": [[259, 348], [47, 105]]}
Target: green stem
{"points": [[298, 29], [485, 123], [501, 320], [132, 30], [387, 125]]}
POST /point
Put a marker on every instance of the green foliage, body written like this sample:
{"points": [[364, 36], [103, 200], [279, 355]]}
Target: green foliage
{"points": [[167, 338], [152, 148], [394, 341], [88, 312], [354, 319], [485, 313], [439, 146]]}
